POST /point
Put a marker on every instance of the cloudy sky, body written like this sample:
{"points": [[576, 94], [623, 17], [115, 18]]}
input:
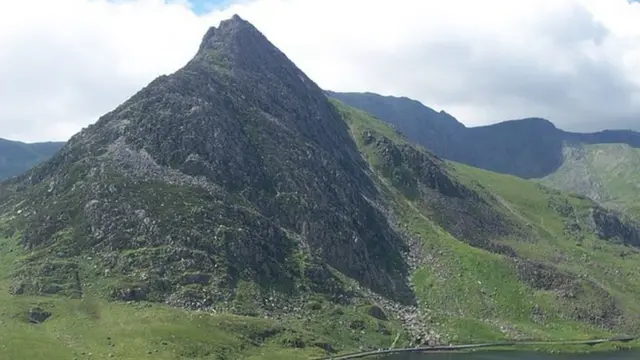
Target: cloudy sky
{"points": [[64, 63]]}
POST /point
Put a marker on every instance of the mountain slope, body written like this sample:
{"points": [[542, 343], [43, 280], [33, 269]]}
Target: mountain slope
{"points": [[212, 188], [528, 148], [566, 259], [608, 173], [295, 225], [257, 162], [17, 157]]}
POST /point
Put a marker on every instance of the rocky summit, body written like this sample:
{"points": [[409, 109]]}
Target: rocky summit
{"points": [[234, 168], [236, 189]]}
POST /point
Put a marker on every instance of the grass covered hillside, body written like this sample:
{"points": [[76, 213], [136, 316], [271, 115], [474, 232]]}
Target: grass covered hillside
{"points": [[608, 173], [553, 277], [231, 210]]}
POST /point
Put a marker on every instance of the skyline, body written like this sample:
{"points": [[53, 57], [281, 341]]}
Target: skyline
{"points": [[576, 63]]}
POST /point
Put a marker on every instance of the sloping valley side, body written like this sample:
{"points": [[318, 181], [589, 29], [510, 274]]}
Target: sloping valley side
{"points": [[497, 256]]}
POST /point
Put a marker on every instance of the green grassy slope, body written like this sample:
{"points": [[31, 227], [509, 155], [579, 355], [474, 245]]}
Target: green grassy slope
{"points": [[472, 294], [94, 328], [608, 173], [466, 292], [100, 330]]}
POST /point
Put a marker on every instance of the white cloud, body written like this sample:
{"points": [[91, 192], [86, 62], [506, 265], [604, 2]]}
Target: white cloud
{"points": [[63, 63]]}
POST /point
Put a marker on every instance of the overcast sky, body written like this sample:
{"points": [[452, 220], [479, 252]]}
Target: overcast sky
{"points": [[64, 63]]}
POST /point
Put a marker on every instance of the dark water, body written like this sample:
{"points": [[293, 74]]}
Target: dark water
{"points": [[513, 355]]}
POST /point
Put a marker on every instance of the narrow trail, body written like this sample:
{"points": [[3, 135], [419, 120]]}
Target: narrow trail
{"points": [[508, 206]]}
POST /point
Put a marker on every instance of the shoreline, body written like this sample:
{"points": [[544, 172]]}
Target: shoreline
{"points": [[501, 345]]}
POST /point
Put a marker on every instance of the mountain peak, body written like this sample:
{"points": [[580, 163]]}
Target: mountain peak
{"points": [[233, 31], [538, 122], [256, 143]]}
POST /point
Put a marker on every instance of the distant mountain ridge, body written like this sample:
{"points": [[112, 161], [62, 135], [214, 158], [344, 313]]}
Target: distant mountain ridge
{"points": [[607, 173], [528, 148], [17, 157]]}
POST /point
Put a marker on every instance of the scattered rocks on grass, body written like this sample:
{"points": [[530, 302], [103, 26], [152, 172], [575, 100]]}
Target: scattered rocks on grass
{"points": [[37, 315]]}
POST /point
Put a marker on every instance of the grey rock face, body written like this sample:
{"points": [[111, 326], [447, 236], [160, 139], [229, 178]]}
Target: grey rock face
{"points": [[610, 226], [37, 315], [235, 168]]}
